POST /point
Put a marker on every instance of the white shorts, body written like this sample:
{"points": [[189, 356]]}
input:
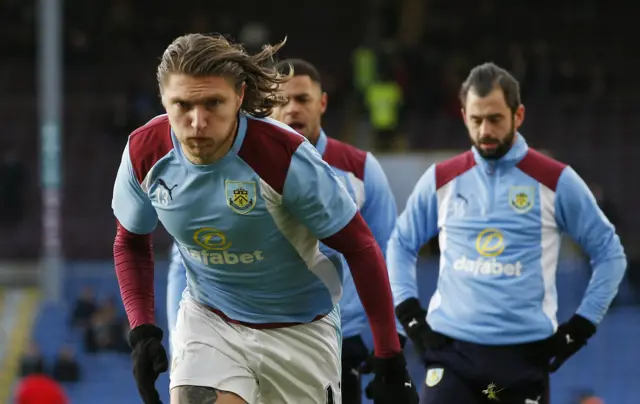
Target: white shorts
{"points": [[291, 365]]}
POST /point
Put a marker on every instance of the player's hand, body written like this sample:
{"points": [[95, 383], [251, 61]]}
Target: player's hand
{"points": [[569, 339], [149, 360], [391, 383], [413, 318], [366, 367]]}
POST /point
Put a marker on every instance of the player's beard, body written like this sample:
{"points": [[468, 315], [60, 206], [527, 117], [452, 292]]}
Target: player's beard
{"points": [[502, 148], [207, 149]]}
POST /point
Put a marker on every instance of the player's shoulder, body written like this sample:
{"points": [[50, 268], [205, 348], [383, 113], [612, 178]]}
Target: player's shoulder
{"points": [[345, 157], [542, 168], [272, 135], [450, 169], [268, 148], [153, 132], [148, 144]]}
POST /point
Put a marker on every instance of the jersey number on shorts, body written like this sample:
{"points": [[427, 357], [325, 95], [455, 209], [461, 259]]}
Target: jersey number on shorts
{"points": [[329, 394]]}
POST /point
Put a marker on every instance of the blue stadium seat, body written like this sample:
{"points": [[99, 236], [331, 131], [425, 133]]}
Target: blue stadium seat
{"points": [[608, 365], [106, 377]]}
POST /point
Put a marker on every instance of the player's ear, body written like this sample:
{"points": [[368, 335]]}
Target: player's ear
{"points": [[518, 117], [324, 99], [241, 94]]}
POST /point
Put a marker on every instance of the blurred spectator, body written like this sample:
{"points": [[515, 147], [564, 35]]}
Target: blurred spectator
{"points": [[32, 361], [592, 400], [39, 389], [105, 330], [587, 397], [66, 367], [364, 72], [384, 99], [85, 308]]}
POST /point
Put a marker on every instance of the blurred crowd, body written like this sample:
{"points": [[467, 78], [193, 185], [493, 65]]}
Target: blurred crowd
{"points": [[425, 54], [100, 328], [392, 71]]}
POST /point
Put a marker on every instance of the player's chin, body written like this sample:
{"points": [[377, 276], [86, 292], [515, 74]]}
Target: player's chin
{"points": [[202, 151], [488, 153], [199, 144]]}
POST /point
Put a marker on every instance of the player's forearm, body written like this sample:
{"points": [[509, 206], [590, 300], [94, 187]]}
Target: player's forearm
{"points": [[133, 257], [366, 262], [602, 289]]}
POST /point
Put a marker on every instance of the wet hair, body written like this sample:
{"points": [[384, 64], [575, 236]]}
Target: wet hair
{"points": [[202, 55]]}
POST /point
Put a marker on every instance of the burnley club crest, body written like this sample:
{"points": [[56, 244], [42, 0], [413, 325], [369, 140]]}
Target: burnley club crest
{"points": [[522, 199], [241, 195]]}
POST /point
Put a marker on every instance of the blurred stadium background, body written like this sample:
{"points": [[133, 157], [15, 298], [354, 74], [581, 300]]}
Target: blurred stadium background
{"points": [[77, 76]]}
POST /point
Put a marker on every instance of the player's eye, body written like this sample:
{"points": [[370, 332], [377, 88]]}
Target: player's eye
{"points": [[185, 106], [212, 104]]}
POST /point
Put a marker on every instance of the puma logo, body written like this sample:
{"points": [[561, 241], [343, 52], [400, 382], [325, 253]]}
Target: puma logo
{"points": [[165, 186]]}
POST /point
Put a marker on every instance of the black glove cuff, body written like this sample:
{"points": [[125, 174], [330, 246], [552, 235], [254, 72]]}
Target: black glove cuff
{"points": [[581, 326], [142, 332], [410, 309], [392, 365]]}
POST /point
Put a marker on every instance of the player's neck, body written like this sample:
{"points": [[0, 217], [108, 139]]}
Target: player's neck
{"points": [[217, 154], [314, 138]]}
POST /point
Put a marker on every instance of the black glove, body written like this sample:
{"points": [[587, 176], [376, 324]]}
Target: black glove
{"points": [[413, 318], [366, 367], [569, 339], [149, 360], [391, 383]]}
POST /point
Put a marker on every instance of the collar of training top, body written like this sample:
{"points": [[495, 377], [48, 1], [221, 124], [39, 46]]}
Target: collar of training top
{"points": [[321, 144], [513, 156]]}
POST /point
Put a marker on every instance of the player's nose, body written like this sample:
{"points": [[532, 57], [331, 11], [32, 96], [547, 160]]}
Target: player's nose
{"points": [[292, 108], [486, 132], [199, 118]]}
